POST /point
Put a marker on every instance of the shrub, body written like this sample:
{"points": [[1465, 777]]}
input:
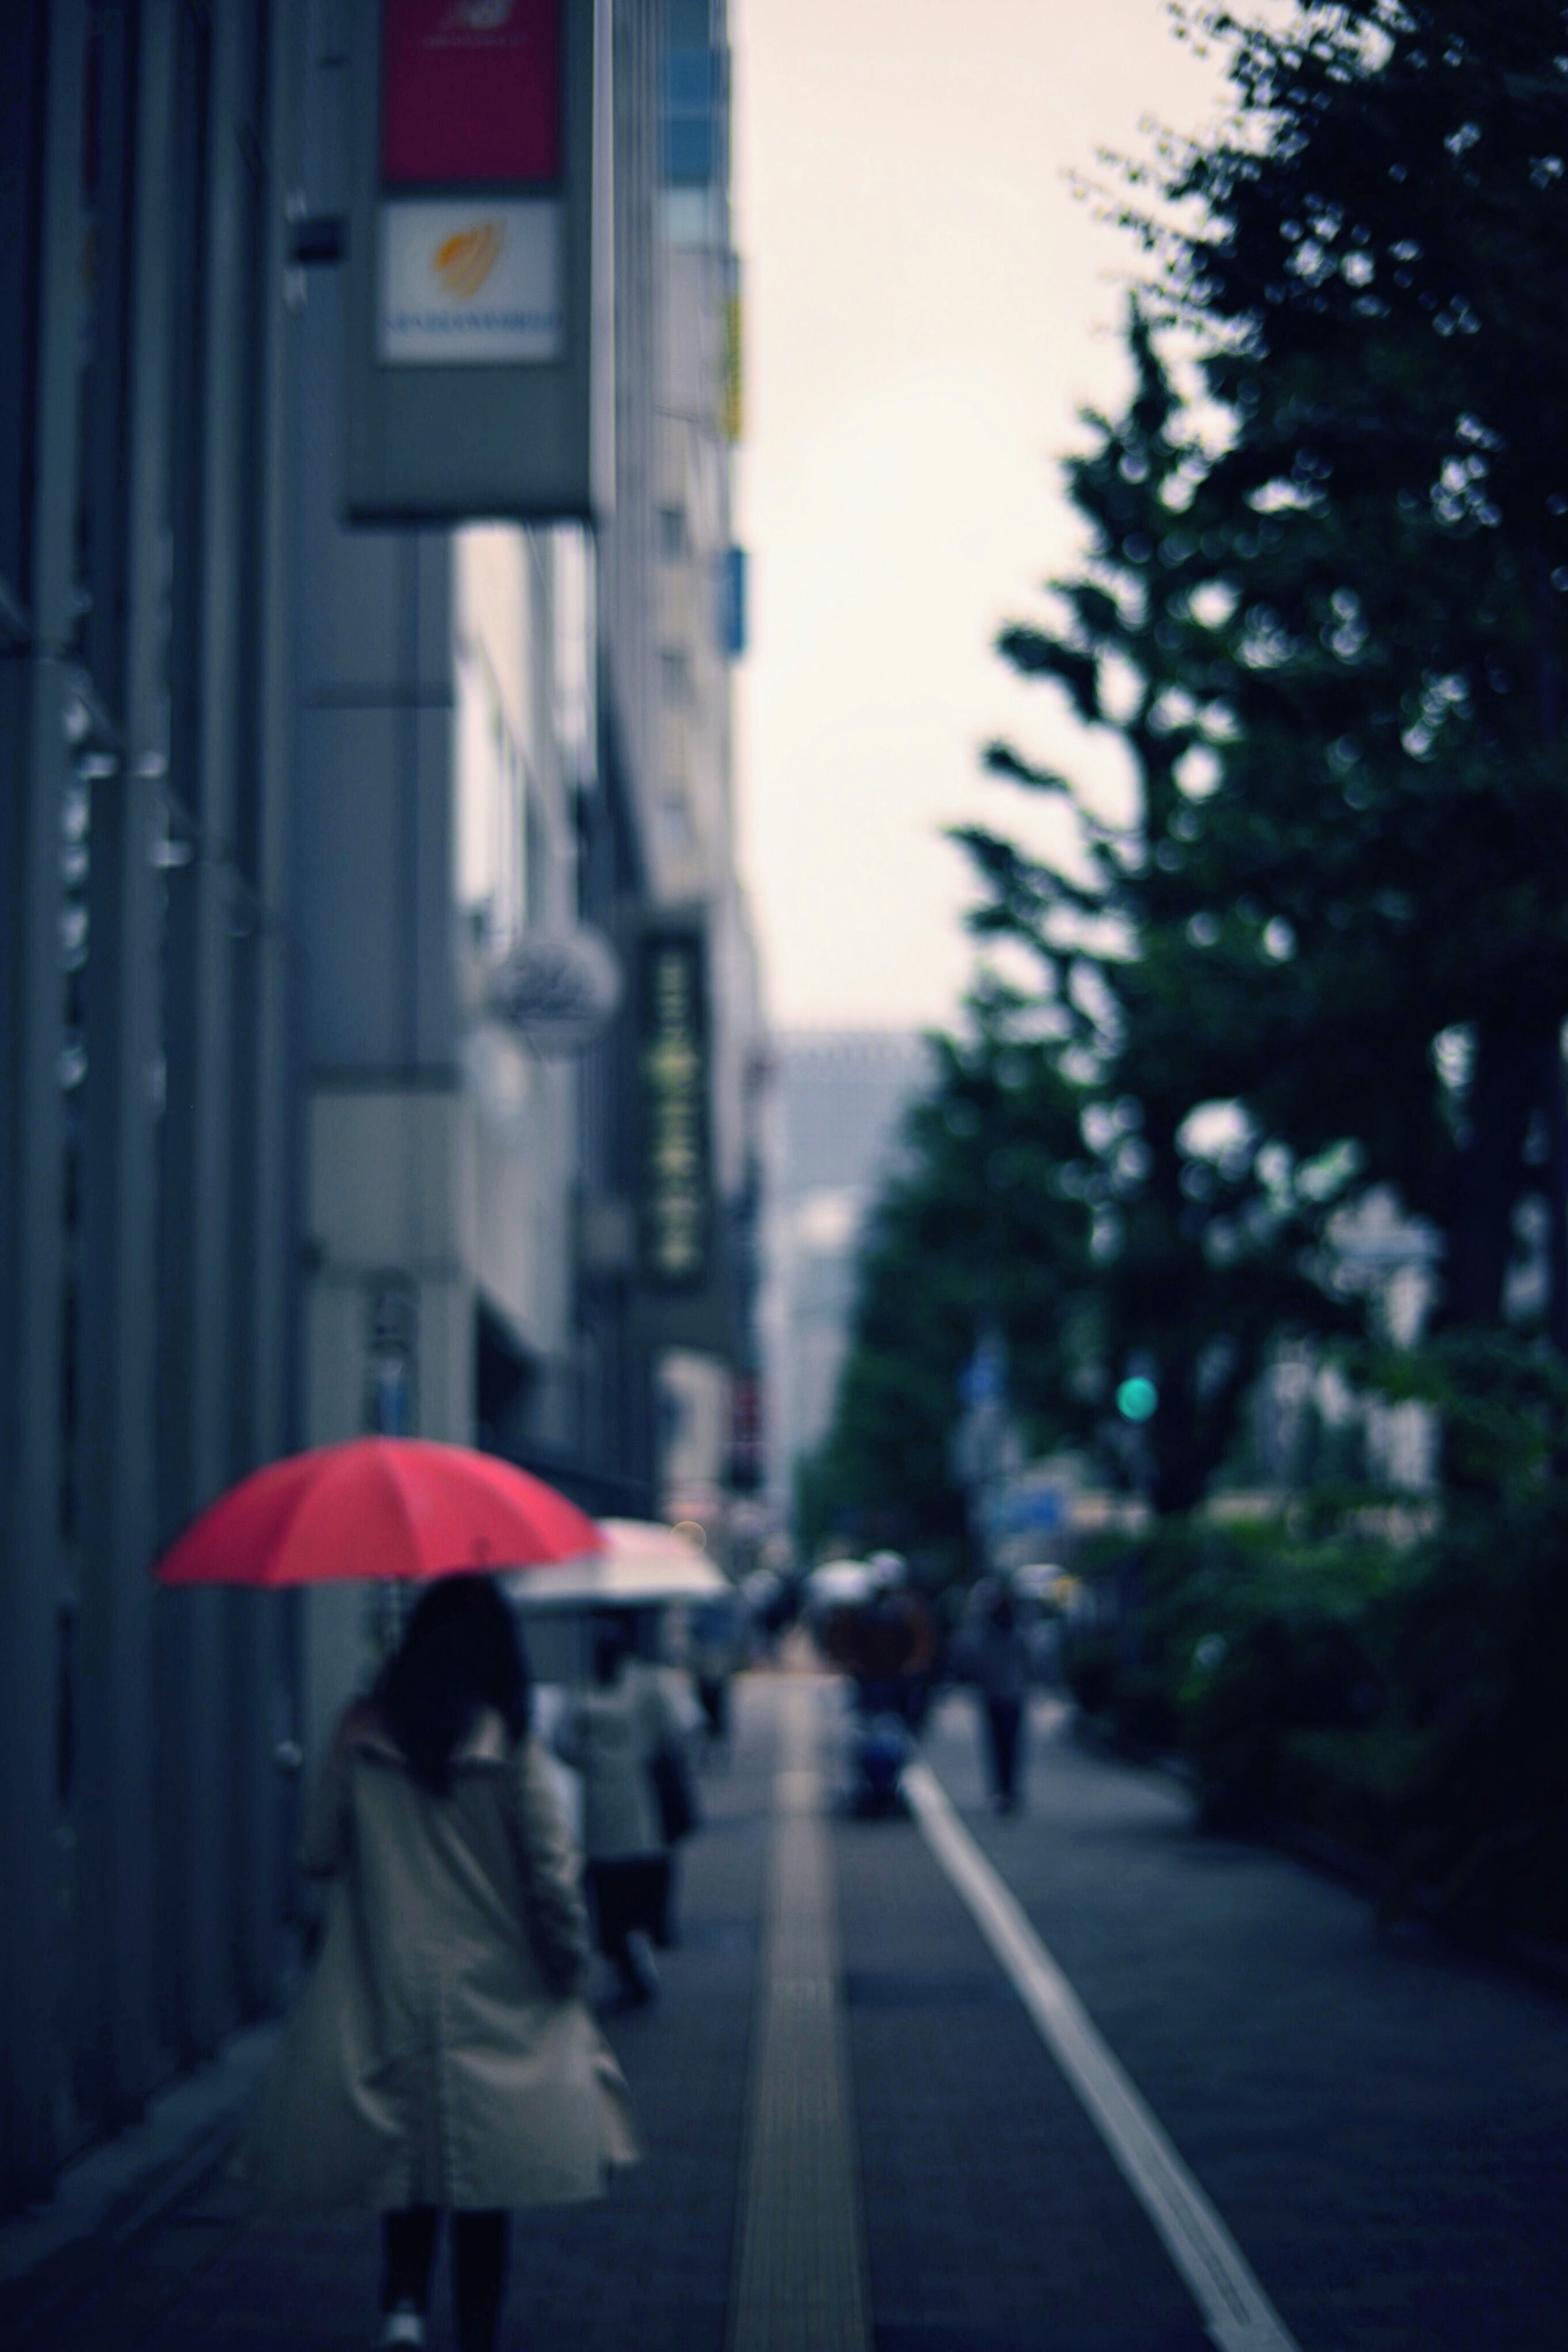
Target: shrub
{"points": [[1409, 1700]]}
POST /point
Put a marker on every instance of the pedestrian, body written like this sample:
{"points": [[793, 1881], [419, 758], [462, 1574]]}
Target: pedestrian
{"points": [[440, 2059], [612, 1735], [888, 1641], [1001, 1668], [712, 1659]]}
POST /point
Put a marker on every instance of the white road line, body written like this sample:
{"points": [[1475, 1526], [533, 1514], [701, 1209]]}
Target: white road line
{"points": [[1237, 2313]]}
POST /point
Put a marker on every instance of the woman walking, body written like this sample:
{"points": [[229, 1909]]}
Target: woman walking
{"points": [[611, 1734], [439, 2059]]}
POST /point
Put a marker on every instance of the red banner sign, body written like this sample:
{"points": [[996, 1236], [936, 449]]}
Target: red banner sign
{"points": [[471, 93]]}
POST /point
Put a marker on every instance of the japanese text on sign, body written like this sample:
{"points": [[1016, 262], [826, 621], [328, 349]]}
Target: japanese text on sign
{"points": [[675, 1201]]}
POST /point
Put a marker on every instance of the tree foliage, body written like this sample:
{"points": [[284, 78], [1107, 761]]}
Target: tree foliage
{"points": [[974, 1228], [1161, 999], [1384, 540], [1323, 607]]}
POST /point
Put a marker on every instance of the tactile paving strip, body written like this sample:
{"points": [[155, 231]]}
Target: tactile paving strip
{"points": [[800, 2269]]}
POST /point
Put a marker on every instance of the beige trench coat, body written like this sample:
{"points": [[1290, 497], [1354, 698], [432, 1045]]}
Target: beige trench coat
{"points": [[611, 1735], [438, 2054]]}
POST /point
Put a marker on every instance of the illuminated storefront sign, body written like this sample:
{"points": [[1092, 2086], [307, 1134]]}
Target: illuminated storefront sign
{"points": [[672, 1074]]}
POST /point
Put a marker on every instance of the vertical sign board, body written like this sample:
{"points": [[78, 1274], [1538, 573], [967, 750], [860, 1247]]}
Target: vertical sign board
{"points": [[479, 359], [747, 1460], [676, 1205], [734, 376]]}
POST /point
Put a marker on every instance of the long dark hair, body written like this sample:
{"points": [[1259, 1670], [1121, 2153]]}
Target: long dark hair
{"points": [[461, 1652], [613, 1643]]}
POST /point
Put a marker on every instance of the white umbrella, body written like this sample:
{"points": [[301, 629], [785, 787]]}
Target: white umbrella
{"points": [[840, 1584], [643, 1563]]}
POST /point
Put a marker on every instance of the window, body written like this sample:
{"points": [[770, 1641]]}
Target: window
{"points": [[673, 538], [676, 678], [491, 813], [694, 98]]}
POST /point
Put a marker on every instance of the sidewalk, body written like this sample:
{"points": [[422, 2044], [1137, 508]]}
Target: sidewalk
{"points": [[649, 2268], [55, 2254], [1381, 2123], [1382, 2120]]}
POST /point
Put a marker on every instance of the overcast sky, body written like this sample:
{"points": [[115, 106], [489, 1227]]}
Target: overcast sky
{"points": [[927, 306]]}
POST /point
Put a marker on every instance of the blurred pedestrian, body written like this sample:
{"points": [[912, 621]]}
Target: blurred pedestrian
{"points": [[887, 1641], [439, 2059], [614, 1735], [999, 1652], [714, 1652]]}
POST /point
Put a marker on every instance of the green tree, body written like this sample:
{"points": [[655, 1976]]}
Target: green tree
{"points": [[1323, 607], [1343, 612], [1164, 998], [1377, 283], [973, 1228]]}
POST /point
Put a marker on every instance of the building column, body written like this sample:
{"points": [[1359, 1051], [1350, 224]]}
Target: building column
{"points": [[215, 1718], [119, 1311], [38, 696], [264, 1241]]}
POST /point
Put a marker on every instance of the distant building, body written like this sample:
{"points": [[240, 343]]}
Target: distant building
{"points": [[838, 1100]]}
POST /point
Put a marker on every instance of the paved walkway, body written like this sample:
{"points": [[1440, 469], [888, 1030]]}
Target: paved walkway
{"points": [[646, 2271], [1381, 2123]]}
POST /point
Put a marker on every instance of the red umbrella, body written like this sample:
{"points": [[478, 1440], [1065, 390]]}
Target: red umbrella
{"points": [[378, 1506]]}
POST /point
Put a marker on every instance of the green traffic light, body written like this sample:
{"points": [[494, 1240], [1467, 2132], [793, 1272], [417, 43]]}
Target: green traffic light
{"points": [[1136, 1399]]}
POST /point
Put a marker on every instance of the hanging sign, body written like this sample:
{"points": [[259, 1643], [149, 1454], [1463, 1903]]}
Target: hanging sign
{"points": [[471, 93], [560, 990], [672, 1071], [463, 285], [471, 99], [481, 302]]}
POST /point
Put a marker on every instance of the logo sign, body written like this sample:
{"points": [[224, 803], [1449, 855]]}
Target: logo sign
{"points": [[471, 93], [561, 991], [673, 1073], [464, 283]]}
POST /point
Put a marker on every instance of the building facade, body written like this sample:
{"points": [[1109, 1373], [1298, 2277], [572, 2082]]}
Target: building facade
{"points": [[837, 1103], [280, 802]]}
